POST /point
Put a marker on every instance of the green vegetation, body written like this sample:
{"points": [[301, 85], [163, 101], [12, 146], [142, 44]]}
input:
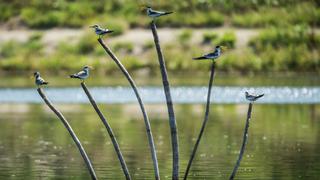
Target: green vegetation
{"points": [[304, 13], [192, 13], [209, 37], [293, 49], [193, 19], [123, 47], [184, 37], [227, 39], [290, 43]]}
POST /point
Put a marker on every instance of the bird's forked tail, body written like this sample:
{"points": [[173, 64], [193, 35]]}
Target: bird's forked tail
{"points": [[166, 13], [259, 96], [199, 58]]}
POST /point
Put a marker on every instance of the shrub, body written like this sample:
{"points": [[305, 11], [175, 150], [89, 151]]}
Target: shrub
{"points": [[193, 19], [133, 63], [185, 36], [209, 37], [126, 47], [283, 37], [34, 44], [35, 18], [87, 43], [6, 12], [148, 45], [227, 39], [9, 49]]}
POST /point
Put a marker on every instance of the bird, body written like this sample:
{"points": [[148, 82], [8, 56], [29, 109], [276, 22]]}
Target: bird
{"points": [[38, 80], [100, 31], [82, 74], [213, 55], [252, 97], [154, 14]]}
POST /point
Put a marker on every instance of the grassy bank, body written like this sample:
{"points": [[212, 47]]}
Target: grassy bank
{"points": [[291, 49], [127, 13]]}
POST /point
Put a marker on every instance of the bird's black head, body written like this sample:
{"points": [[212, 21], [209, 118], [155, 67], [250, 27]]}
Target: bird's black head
{"points": [[94, 26], [217, 47], [35, 74], [86, 68], [247, 94]]}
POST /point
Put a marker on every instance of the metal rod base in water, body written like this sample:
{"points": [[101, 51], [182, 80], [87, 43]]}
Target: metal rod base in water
{"points": [[172, 119], [72, 134], [244, 143], [144, 113], [110, 132], [206, 117]]}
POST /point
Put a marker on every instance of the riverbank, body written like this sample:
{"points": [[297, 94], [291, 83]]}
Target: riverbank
{"points": [[250, 50]]}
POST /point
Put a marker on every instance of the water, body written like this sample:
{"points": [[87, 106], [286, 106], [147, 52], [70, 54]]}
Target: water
{"points": [[182, 95], [283, 136], [283, 141]]}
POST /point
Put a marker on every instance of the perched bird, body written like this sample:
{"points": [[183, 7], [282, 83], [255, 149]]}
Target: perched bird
{"points": [[82, 74], [100, 31], [252, 98], [213, 55], [154, 14], [38, 80]]}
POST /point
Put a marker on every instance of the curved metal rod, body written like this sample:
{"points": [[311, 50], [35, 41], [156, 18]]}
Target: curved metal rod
{"points": [[144, 113], [244, 142], [110, 132], [72, 134], [172, 119], [206, 117]]}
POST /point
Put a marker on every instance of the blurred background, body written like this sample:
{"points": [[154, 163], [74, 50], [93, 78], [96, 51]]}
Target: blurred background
{"points": [[273, 48]]}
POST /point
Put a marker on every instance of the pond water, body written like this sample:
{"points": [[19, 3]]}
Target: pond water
{"points": [[283, 137], [283, 141]]}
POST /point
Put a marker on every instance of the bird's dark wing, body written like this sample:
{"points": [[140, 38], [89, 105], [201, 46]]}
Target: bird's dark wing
{"points": [[212, 55]]}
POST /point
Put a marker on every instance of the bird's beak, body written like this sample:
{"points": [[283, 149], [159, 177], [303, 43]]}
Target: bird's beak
{"points": [[90, 67], [91, 26]]}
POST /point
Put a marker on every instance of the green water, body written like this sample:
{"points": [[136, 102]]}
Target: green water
{"points": [[283, 142]]}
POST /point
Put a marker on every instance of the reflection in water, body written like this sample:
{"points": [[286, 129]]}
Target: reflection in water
{"points": [[283, 141]]}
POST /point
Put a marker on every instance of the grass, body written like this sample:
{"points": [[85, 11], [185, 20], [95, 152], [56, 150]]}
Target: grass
{"points": [[184, 37], [193, 13], [290, 49], [227, 39], [304, 13], [123, 47], [209, 37]]}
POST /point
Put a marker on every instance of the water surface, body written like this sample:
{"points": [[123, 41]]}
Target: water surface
{"points": [[181, 95], [283, 141]]}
